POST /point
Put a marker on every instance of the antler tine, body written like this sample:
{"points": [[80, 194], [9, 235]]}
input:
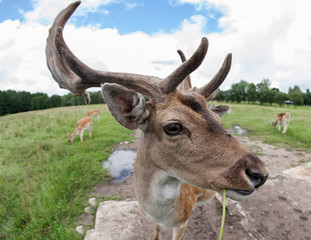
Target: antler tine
{"points": [[60, 72], [218, 79], [186, 83], [182, 55], [171, 82], [74, 75]]}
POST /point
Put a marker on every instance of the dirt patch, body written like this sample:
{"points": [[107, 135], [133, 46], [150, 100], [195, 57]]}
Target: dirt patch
{"points": [[281, 209]]}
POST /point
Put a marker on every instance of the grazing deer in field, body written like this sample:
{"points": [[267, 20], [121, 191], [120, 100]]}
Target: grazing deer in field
{"points": [[185, 155], [282, 118], [94, 113], [83, 124], [230, 110]]}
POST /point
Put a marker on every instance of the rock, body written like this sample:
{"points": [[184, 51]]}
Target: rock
{"points": [[80, 229], [120, 220], [92, 201], [301, 172], [87, 210]]}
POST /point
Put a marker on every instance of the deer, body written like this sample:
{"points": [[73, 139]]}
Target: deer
{"points": [[184, 156], [83, 124], [282, 118], [94, 113]]}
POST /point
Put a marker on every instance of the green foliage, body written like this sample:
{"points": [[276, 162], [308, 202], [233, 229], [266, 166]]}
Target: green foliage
{"points": [[44, 181], [280, 98], [297, 97], [251, 93], [39, 101], [97, 97], [14, 102], [294, 89], [239, 91], [308, 98]]}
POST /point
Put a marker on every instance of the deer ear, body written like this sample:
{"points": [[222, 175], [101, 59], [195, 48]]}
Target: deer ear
{"points": [[128, 107], [219, 110]]}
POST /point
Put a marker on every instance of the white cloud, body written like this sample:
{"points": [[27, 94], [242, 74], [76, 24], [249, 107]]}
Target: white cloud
{"points": [[268, 39]]}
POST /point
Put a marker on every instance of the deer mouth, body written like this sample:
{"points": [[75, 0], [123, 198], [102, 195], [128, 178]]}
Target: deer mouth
{"points": [[237, 194], [243, 192]]}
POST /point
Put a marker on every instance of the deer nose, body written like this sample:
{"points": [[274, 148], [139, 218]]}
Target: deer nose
{"points": [[256, 177]]}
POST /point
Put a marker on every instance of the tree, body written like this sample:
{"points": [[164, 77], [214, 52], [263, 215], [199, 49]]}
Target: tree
{"points": [[263, 90], [39, 101], [307, 98], [239, 91], [68, 100], [24, 101], [54, 101], [96, 97], [280, 97], [220, 97], [270, 95], [11, 101], [295, 89], [264, 85], [228, 95], [296, 97], [251, 93], [3, 107]]}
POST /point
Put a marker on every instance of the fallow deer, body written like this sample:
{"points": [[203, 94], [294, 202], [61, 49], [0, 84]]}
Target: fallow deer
{"points": [[282, 118], [185, 155], [94, 113], [82, 124]]}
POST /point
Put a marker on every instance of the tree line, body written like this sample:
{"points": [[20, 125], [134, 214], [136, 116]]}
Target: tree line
{"points": [[262, 93], [12, 101]]}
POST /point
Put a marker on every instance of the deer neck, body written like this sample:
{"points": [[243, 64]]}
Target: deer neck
{"points": [[75, 132], [156, 190]]}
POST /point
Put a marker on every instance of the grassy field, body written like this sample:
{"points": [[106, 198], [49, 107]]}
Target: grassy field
{"points": [[257, 120], [44, 181]]}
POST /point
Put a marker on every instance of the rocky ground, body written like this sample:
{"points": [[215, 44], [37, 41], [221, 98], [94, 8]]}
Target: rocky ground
{"points": [[281, 209]]}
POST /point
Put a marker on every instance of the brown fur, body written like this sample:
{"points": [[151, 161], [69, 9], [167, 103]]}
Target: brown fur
{"points": [[179, 167], [94, 113], [82, 124], [207, 157], [282, 119]]}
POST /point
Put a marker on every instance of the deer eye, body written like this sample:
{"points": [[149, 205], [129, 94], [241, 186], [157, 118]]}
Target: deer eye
{"points": [[172, 129]]}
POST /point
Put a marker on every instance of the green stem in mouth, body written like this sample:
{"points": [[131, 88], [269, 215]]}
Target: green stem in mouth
{"points": [[223, 214]]}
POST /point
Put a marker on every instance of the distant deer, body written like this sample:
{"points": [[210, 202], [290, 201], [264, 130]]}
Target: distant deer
{"points": [[83, 124], [230, 110], [282, 118], [185, 155], [94, 113]]}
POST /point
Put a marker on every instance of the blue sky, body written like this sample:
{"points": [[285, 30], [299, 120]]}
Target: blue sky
{"points": [[146, 16], [11, 9], [268, 39]]}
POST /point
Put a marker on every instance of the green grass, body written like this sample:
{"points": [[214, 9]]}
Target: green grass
{"points": [[257, 119], [44, 181]]}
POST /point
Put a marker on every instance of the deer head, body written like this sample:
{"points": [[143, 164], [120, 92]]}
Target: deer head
{"points": [[183, 140]]}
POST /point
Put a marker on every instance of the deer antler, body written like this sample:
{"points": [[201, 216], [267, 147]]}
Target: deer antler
{"points": [[186, 84], [74, 75], [171, 82], [211, 88]]}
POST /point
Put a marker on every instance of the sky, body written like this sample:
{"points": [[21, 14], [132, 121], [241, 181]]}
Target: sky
{"points": [[267, 39]]}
